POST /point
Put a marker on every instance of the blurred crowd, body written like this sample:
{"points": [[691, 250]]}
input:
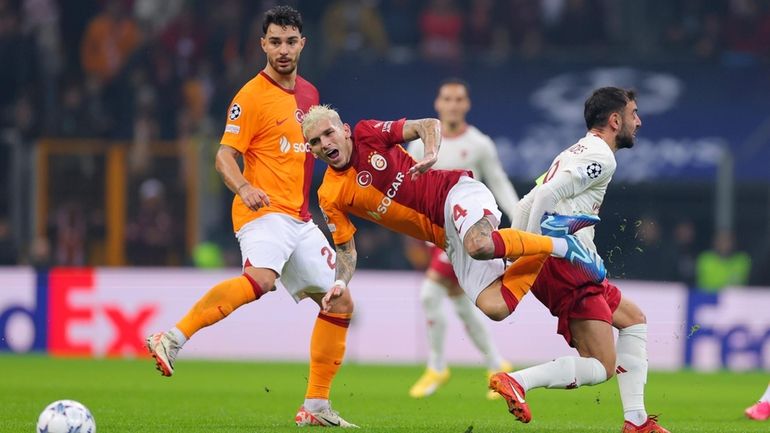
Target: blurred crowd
{"points": [[157, 69], [143, 71]]}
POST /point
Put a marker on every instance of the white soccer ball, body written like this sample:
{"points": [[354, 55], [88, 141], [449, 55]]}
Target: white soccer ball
{"points": [[66, 416]]}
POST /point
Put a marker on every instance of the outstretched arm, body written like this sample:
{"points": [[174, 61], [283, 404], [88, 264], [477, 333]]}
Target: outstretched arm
{"points": [[346, 265], [429, 130]]}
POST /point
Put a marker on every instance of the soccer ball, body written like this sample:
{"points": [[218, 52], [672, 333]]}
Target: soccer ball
{"points": [[66, 416]]}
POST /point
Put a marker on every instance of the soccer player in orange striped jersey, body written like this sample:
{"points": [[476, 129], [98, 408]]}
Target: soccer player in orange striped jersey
{"points": [[277, 236], [372, 177]]}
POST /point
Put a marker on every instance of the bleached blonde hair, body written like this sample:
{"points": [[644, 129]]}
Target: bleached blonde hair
{"points": [[318, 113]]}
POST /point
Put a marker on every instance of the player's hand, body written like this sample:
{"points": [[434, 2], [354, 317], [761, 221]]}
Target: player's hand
{"points": [[423, 165], [253, 198], [331, 296]]}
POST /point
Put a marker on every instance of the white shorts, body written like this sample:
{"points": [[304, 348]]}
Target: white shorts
{"points": [[297, 251], [467, 202]]}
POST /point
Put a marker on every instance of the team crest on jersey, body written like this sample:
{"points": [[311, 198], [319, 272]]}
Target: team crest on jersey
{"points": [[235, 112], [364, 179], [378, 161], [577, 148], [594, 170], [299, 115]]}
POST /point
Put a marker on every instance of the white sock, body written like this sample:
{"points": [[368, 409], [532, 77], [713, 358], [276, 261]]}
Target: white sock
{"points": [[566, 372], [431, 296], [559, 247], [766, 395], [631, 369], [316, 404], [477, 331], [178, 336]]}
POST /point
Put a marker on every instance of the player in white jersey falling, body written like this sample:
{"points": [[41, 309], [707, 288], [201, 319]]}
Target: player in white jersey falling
{"points": [[462, 147], [576, 183]]}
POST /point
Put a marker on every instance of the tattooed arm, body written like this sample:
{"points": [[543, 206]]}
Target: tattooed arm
{"points": [[345, 265], [429, 131], [346, 260]]}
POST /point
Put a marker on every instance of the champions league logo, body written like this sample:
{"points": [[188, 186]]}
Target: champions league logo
{"points": [[235, 112], [562, 97], [594, 170]]}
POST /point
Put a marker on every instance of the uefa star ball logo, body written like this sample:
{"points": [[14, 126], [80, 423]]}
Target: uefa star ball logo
{"points": [[594, 170], [378, 161], [235, 112]]}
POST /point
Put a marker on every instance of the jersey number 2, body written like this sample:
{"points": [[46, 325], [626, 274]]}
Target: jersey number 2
{"points": [[326, 251]]}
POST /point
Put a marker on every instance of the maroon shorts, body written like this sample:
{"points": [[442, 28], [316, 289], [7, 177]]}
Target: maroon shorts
{"points": [[440, 263], [568, 294]]}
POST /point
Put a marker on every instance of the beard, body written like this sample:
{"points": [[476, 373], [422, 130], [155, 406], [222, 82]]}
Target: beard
{"points": [[284, 69], [625, 140]]}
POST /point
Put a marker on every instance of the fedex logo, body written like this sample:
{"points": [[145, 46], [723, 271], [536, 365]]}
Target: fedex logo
{"points": [[70, 316], [728, 330]]}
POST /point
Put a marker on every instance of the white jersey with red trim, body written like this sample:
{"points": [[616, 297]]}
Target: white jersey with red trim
{"points": [[577, 178]]}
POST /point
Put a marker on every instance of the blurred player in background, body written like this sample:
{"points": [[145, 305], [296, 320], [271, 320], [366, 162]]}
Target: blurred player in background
{"points": [[271, 220], [576, 183], [761, 410], [371, 176], [462, 147]]}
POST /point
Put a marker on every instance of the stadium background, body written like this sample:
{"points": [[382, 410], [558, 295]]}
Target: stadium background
{"points": [[109, 198]]}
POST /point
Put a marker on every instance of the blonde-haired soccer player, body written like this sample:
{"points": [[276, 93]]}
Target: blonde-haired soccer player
{"points": [[270, 216], [463, 146], [372, 177]]}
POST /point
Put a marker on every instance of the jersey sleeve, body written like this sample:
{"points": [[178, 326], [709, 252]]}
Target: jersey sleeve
{"points": [[493, 175], [242, 122], [382, 133], [340, 226]]}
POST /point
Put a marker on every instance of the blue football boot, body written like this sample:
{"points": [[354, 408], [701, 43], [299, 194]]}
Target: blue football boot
{"points": [[553, 224], [585, 259]]}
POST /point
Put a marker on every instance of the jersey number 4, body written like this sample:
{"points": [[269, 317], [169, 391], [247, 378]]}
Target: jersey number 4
{"points": [[458, 212]]}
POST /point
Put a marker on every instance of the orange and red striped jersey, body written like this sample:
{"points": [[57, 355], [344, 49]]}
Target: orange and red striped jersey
{"points": [[375, 185], [264, 124]]}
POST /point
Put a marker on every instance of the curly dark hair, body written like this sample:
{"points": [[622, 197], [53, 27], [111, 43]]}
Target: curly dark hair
{"points": [[605, 101], [284, 16]]}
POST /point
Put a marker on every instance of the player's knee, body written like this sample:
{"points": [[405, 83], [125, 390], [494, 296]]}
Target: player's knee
{"points": [[479, 247], [494, 312], [344, 304], [260, 279]]}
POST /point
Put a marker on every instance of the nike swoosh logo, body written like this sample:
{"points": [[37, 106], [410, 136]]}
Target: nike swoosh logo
{"points": [[330, 422], [279, 122], [516, 393]]}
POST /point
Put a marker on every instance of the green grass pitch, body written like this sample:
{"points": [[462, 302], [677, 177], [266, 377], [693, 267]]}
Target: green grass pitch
{"points": [[130, 396]]}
